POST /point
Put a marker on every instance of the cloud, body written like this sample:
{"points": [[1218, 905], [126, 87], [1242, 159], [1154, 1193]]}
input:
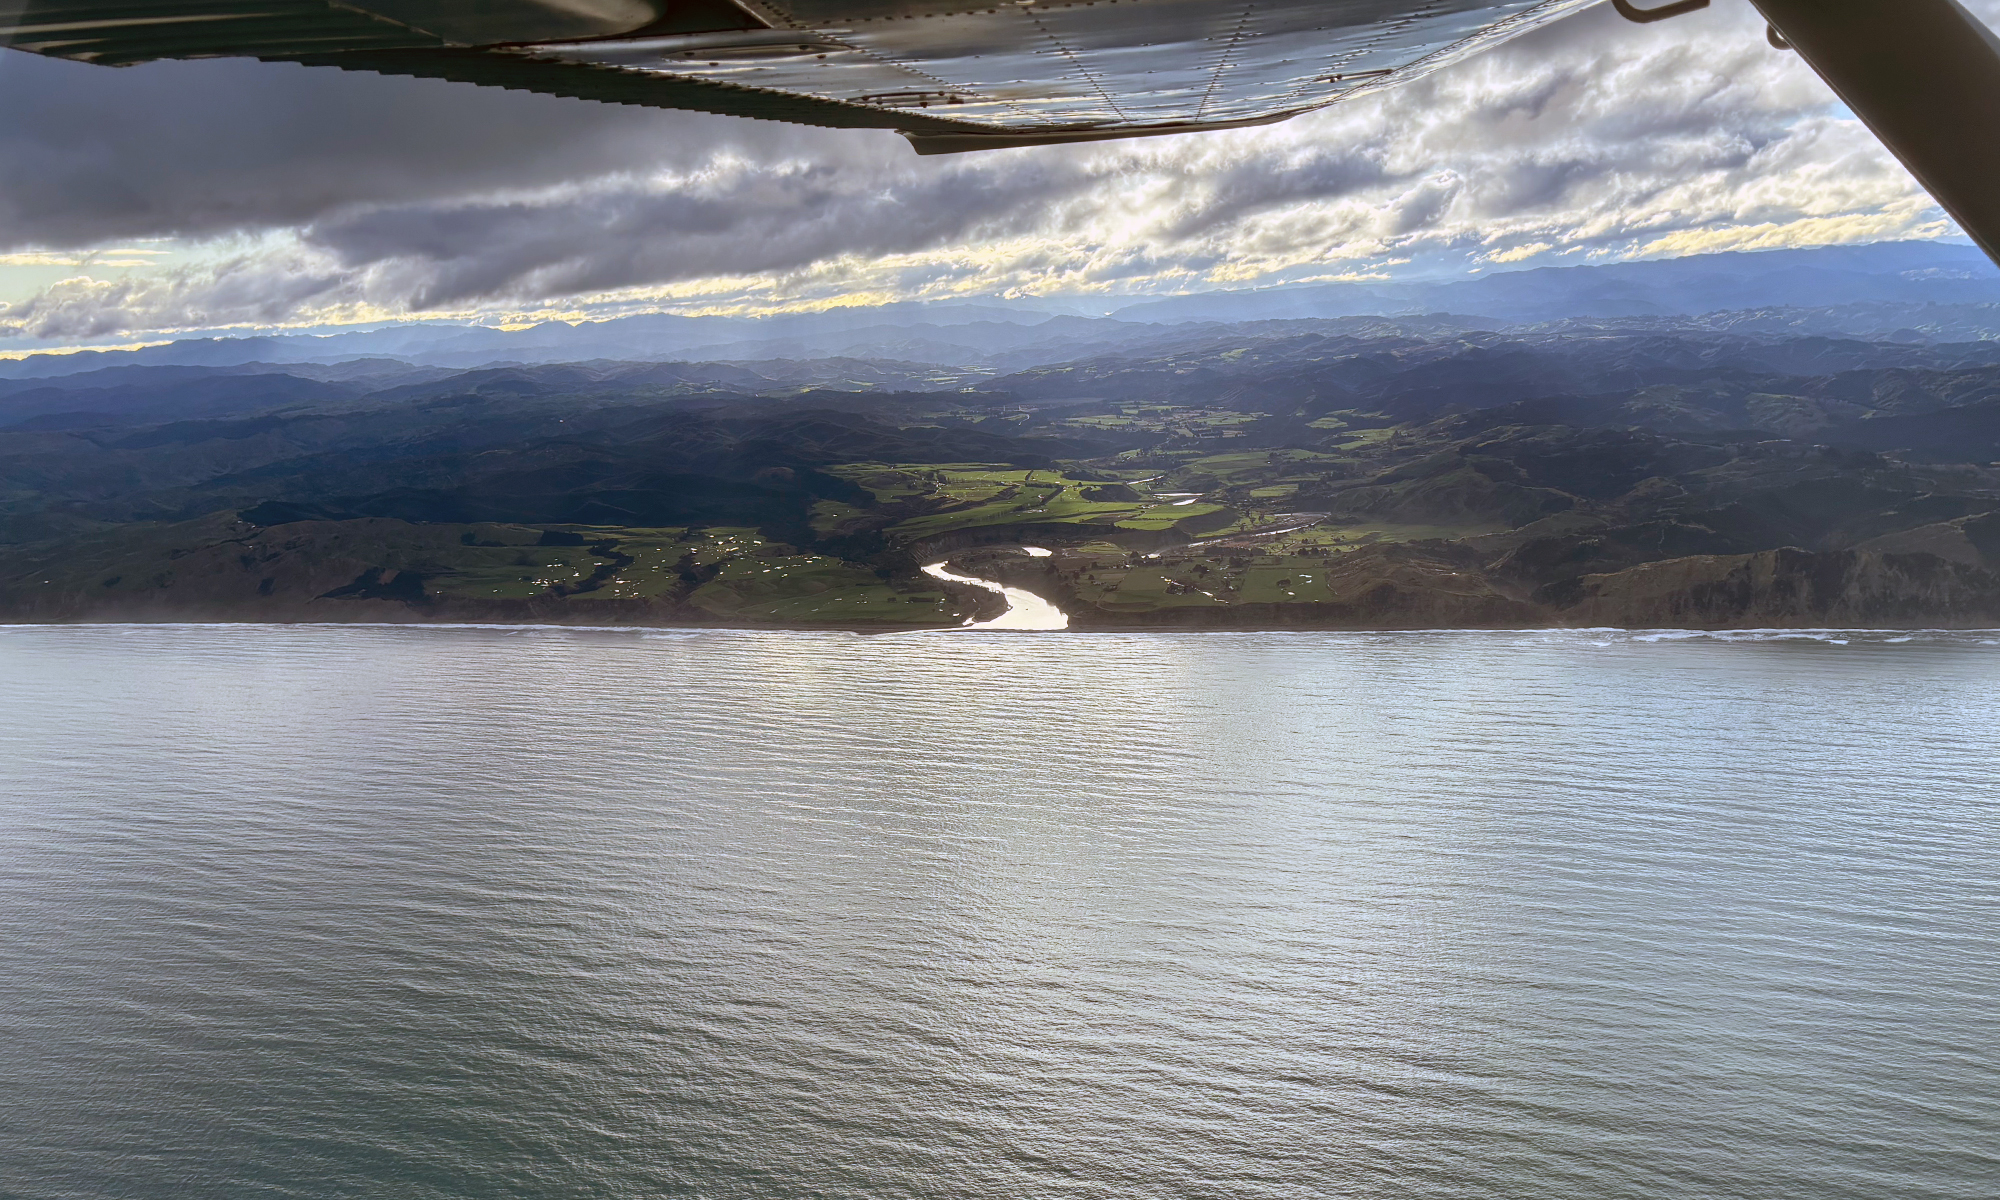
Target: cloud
{"points": [[261, 289], [734, 218], [224, 146], [321, 196], [1517, 253]]}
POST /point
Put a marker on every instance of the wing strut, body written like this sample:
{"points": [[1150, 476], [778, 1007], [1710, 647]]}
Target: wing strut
{"points": [[1666, 12], [1924, 75]]}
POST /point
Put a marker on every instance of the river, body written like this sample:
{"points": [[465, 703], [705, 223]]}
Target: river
{"points": [[459, 913], [1025, 610]]}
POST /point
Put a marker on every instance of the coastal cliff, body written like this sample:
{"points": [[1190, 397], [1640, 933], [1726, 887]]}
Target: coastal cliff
{"points": [[1786, 588], [1402, 587]]}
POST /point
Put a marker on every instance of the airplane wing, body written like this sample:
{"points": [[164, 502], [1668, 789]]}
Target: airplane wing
{"points": [[954, 75], [949, 74]]}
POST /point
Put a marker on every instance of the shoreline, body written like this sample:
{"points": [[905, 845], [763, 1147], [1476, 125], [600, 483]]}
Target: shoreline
{"points": [[188, 622], [1020, 610]]}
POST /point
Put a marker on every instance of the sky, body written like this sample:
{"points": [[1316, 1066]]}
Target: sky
{"points": [[144, 202]]}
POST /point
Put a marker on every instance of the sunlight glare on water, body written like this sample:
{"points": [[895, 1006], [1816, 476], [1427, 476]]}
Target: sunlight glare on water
{"points": [[483, 912]]}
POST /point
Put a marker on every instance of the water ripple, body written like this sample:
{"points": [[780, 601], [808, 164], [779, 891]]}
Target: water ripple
{"points": [[479, 911]]}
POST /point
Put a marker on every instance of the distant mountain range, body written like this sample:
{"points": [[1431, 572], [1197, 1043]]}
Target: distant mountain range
{"points": [[1735, 468], [1902, 273], [1904, 291]]}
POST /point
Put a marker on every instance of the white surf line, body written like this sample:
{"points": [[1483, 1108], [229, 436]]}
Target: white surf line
{"points": [[1025, 610]]}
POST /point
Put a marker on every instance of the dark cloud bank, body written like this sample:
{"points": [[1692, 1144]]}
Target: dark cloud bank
{"points": [[395, 195]]}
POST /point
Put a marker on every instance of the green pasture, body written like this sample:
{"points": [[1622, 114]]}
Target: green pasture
{"points": [[1137, 584], [1178, 420]]}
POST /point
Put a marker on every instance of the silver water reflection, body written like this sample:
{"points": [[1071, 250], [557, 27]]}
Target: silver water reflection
{"points": [[497, 913]]}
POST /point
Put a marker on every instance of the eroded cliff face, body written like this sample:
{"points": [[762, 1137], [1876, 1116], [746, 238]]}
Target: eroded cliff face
{"points": [[1787, 588]]}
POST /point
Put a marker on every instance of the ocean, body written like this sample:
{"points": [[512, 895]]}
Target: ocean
{"points": [[462, 912]]}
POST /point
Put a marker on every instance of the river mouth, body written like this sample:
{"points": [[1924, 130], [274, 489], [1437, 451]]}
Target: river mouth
{"points": [[1025, 610]]}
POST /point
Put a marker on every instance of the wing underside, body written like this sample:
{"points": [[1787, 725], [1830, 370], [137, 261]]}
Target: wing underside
{"points": [[952, 76]]}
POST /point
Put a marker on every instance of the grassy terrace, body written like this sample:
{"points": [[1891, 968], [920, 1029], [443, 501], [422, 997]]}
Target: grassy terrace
{"points": [[724, 574], [754, 580], [917, 502], [1188, 422], [735, 574], [728, 573], [1144, 586], [1332, 538], [1292, 567]]}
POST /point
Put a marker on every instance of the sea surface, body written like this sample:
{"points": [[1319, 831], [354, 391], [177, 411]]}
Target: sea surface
{"points": [[414, 913]]}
